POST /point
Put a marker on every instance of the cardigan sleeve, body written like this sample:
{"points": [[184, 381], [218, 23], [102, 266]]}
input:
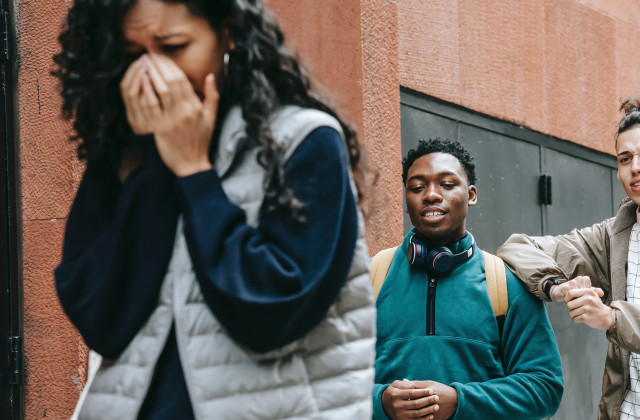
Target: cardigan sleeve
{"points": [[117, 245], [271, 284]]}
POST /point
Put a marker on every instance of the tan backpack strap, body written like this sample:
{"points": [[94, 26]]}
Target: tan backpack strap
{"points": [[496, 283], [379, 267]]}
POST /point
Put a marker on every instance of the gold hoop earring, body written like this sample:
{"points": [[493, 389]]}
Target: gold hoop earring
{"points": [[226, 64]]}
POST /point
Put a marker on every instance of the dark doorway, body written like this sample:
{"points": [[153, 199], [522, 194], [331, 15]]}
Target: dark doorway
{"points": [[11, 350], [511, 163]]}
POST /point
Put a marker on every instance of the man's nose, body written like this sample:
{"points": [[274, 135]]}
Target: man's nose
{"points": [[635, 164], [432, 194]]}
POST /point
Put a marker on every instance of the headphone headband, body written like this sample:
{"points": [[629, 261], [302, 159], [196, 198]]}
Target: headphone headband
{"points": [[439, 260]]}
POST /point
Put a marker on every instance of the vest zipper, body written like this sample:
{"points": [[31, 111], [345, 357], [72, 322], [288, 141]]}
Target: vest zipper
{"points": [[431, 305]]}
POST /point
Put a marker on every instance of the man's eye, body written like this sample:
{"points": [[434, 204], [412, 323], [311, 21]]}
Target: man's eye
{"points": [[448, 185], [417, 189], [624, 159], [171, 48]]}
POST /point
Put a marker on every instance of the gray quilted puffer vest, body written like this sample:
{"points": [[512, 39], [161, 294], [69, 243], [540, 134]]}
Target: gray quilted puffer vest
{"points": [[328, 374]]}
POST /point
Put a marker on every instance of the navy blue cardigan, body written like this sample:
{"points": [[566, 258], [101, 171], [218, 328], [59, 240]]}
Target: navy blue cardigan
{"points": [[267, 285]]}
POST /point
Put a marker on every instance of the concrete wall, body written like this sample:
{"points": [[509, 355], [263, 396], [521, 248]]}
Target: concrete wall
{"points": [[556, 66]]}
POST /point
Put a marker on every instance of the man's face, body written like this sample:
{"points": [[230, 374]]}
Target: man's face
{"points": [[628, 153], [438, 195]]}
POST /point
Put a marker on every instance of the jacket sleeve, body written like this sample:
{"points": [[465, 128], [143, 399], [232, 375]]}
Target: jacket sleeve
{"points": [[109, 278], [625, 332], [532, 386], [269, 285], [378, 410], [582, 252]]}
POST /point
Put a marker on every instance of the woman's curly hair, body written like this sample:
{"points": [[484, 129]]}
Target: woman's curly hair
{"points": [[262, 76]]}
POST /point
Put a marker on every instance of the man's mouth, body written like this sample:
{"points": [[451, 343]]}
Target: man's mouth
{"points": [[433, 215], [635, 186]]}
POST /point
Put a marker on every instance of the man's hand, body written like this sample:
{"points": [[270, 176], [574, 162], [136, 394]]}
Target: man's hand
{"points": [[404, 400], [447, 398], [559, 292], [586, 307]]}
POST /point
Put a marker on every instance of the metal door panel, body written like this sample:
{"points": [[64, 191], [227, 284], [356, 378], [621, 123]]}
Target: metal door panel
{"points": [[582, 196], [507, 172], [418, 124], [582, 193], [583, 351]]}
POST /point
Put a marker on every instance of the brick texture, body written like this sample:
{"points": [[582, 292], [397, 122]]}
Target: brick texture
{"points": [[580, 74], [501, 50], [429, 50]]}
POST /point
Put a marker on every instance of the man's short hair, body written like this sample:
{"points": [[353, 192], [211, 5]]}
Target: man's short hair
{"points": [[440, 145]]}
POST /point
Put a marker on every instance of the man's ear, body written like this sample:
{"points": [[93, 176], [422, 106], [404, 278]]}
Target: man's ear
{"points": [[473, 195]]}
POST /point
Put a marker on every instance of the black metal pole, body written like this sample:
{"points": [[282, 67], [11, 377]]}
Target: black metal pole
{"points": [[11, 325]]}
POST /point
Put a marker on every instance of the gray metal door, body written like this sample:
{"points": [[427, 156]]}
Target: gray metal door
{"points": [[583, 194], [11, 377], [507, 172], [510, 161]]}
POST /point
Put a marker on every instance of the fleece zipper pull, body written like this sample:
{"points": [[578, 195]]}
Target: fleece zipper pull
{"points": [[431, 305]]}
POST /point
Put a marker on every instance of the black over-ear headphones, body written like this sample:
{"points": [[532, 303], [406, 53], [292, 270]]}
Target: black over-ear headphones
{"points": [[439, 260]]}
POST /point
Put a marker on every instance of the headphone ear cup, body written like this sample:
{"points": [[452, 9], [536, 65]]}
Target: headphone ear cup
{"points": [[416, 252], [440, 260]]}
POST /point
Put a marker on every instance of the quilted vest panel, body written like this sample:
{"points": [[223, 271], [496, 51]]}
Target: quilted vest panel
{"points": [[328, 374]]}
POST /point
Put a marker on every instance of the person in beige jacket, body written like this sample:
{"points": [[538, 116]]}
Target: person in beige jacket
{"points": [[596, 272]]}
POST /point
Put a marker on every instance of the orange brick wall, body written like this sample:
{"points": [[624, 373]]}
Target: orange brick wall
{"points": [[556, 66], [54, 354], [351, 48]]}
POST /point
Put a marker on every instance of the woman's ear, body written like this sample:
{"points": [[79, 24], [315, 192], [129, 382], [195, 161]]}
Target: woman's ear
{"points": [[231, 44], [226, 33]]}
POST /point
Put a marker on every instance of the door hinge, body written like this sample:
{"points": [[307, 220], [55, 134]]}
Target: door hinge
{"points": [[4, 36], [15, 360], [544, 189]]}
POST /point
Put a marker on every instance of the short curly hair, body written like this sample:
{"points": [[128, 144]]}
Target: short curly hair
{"points": [[440, 145], [631, 117]]}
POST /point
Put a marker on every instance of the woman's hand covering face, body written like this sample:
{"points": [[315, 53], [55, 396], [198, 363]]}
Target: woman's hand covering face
{"points": [[160, 100]]}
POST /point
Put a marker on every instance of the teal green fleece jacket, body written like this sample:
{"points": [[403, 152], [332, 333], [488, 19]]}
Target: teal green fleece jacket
{"points": [[518, 377]]}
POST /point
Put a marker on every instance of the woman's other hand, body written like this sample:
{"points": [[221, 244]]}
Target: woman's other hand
{"points": [[131, 89], [167, 106]]}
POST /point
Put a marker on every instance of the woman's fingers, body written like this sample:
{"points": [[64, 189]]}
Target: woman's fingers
{"points": [[160, 86], [211, 94], [132, 74], [175, 79], [131, 90], [149, 101]]}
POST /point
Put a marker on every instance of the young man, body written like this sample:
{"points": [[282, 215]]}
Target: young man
{"points": [[606, 255], [439, 352]]}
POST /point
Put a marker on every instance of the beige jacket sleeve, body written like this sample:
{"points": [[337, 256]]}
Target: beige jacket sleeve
{"points": [[625, 332], [582, 252]]}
